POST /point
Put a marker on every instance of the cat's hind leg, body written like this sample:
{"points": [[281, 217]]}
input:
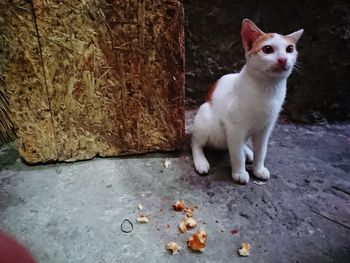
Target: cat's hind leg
{"points": [[249, 156], [200, 136]]}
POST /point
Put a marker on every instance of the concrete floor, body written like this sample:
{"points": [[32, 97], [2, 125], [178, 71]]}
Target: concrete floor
{"points": [[72, 212]]}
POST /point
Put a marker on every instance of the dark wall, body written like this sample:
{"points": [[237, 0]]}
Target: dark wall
{"points": [[319, 91]]}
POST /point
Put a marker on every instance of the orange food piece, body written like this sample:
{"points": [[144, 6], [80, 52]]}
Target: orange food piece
{"points": [[179, 205], [198, 241]]}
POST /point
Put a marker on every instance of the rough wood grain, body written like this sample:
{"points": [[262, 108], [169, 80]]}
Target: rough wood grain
{"points": [[114, 77], [23, 76]]}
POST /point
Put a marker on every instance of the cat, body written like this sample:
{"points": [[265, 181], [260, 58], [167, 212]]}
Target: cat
{"points": [[246, 105]]}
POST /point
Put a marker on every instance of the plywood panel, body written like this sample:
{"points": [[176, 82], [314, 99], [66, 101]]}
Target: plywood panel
{"points": [[114, 75], [23, 75]]}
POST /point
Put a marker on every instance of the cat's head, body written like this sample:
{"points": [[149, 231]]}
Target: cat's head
{"points": [[269, 54]]}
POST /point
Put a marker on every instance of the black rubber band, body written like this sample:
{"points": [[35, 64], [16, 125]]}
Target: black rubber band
{"points": [[122, 228]]}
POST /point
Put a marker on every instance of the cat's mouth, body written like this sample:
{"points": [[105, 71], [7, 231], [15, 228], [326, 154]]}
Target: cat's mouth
{"points": [[280, 68]]}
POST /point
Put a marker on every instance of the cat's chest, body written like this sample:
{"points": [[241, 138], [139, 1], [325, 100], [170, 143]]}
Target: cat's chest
{"points": [[261, 104], [261, 112], [255, 112]]}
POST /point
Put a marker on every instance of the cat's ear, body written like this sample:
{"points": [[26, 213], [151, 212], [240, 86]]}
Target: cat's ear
{"points": [[295, 35], [249, 33]]}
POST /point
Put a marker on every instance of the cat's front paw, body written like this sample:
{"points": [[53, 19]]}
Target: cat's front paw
{"points": [[202, 166], [262, 173], [242, 177]]}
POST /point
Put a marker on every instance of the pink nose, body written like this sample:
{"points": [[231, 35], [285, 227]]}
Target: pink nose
{"points": [[282, 61]]}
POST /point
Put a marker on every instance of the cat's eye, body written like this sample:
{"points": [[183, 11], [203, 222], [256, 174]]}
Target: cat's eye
{"points": [[267, 49], [290, 49]]}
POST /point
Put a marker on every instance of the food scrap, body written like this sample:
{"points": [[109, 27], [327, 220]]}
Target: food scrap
{"points": [[182, 227], [187, 224], [244, 251], [258, 182], [189, 211], [197, 241], [140, 207], [173, 247], [167, 163], [142, 219], [190, 222], [234, 231], [179, 205]]}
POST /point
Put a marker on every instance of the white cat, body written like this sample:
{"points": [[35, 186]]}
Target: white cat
{"points": [[246, 105]]}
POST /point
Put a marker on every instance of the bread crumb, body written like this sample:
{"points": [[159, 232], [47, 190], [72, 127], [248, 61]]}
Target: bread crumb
{"points": [[244, 251], [167, 163], [143, 219], [173, 247], [182, 227], [189, 211], [187, 224], [197, 241], [179, 205]]}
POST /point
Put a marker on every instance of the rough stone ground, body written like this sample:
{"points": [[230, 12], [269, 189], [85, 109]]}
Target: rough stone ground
{"points": [[72, 212]]}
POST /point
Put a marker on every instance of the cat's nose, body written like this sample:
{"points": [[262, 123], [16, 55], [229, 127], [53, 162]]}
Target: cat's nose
{"points": [[282, 61]]}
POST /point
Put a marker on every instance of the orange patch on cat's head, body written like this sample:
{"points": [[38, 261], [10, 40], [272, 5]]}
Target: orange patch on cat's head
{"points": [[253, 37], [260, 42]]}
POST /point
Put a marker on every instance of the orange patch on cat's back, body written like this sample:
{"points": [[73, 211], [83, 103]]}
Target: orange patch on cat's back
{"points": [[259, 43], [211, 91]]}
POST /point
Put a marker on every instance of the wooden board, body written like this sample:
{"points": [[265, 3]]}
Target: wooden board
{"points": [[23, 75], [113, 82]]}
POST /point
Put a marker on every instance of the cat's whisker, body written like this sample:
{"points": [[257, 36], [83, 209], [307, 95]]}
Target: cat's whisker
{"points": [[297, 65], [296, 68]]}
